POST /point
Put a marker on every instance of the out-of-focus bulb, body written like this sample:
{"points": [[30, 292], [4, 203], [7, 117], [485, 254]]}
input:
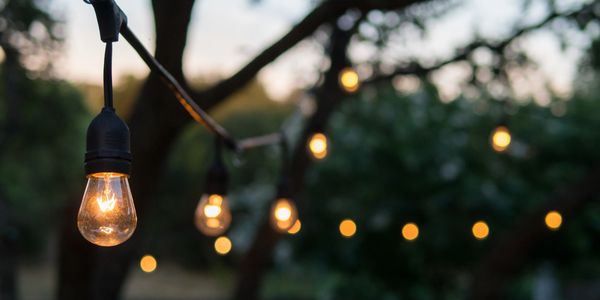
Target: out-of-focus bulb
{"points": [[223, 245], [501, 139], [295, 228], [480, 230], [213, 215], [148, 263], [107, 215], [410, 231], [318, 145], [283, 214], [349, 80], [348, 228], [553, 220]]}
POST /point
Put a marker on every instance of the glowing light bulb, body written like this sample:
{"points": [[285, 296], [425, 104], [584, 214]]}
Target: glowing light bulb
{"points": [[553, 220], [480, 230], [295, 228], [148, 264], [410, 231], [283, 214], [349, 80], [348, 228], [107, 215], [213, 215], [318, 145], [501, 139], [223, 245]]}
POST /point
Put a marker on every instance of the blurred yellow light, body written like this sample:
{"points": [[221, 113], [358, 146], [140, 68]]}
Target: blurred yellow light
{"points": [[318, 145], [348, 228], [283, 214], [295, 228], [553, 220], [148, 263], [223, 245], [501, 138], [410, 231], [349, 80], [480, 230]]}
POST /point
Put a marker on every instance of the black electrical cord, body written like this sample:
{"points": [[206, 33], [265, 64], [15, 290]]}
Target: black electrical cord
{"points": [[184, 98], [108, 85], [111, 20]]}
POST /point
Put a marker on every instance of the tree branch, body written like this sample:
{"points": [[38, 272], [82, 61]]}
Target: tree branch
{"points": [[463, 53], [324, 13]]}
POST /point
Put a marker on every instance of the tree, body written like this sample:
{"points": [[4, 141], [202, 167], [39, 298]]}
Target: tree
{"points": [[28, 38], [99, 273]]}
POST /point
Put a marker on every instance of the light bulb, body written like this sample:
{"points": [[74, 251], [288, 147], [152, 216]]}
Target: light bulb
{"points": [[348, 228], [553, 220], [501, 138], [480, 230], [283, 214], [213, 215], [318, 145], [107, 214], [349, 80]]}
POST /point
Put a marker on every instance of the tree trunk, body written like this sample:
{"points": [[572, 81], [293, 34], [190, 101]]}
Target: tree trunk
{"points": [[12, 81]]}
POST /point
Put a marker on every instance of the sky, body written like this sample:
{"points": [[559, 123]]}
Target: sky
{"points": [[225, 34]]}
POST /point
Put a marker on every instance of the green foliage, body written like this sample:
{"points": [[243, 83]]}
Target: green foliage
{"points": [[41, 157], [411, 158]]}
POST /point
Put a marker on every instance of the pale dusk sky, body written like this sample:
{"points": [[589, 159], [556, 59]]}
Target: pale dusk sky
{"points": [[225, 34]]}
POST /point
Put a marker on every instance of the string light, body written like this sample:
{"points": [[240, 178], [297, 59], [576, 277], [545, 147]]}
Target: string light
{"points": [[283, 214], [223, 245], [480, 230], [107, 214], [295, 228], [148, 263], [501, 139], [318, 145], [410, 231], [553, 220], [347, 228], [349, 80], [213, 215]]}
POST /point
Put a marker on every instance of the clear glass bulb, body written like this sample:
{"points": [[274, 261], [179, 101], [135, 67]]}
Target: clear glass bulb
{"points": [[107, 215], [283, 214], [212, 215]]}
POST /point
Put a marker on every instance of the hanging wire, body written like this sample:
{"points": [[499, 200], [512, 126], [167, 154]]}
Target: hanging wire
{"points": [[108, 85], [184, 98]]}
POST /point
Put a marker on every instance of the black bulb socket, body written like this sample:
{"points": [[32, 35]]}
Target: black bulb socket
{"points": [[283, 189], [108, 144], [217, 179]]}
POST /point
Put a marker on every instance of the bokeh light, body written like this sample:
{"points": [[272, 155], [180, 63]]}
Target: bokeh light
{"points": [[295, 228], [501, 139], [318, 145], [348, 228], [481, 230], [349, 80], [148, 263], [553, 220], [410, 231], [223, 245]]}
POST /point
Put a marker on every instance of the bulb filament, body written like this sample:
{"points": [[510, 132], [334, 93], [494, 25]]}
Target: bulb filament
{"points": [[107, 200]]}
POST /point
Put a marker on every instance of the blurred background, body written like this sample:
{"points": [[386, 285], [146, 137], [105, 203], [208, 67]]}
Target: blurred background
{"points": [[462, 155]]}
